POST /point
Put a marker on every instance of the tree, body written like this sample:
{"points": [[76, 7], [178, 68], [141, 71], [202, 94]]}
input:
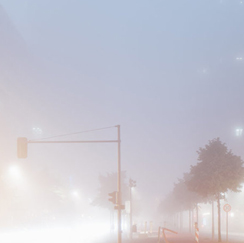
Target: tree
{"points": [[169, 207], [187, 199], [217, 171]]}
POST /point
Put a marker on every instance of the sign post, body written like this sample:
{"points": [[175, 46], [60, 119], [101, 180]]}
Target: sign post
{"points": [[227, 209]]}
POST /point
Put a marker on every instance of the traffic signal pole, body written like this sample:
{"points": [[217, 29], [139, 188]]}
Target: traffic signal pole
{"points": [[22, 145]]}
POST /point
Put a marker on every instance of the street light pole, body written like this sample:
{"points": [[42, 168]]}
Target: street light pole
{"points": [[119, 189]]}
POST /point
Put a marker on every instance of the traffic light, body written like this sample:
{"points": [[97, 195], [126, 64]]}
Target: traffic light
{"points": [[113, 197], [132, 183], [22, 148]]}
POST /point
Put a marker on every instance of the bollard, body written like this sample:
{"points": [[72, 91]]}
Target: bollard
{"points": [[196, 233], [145, 227], [151, 227], [159, 231]]}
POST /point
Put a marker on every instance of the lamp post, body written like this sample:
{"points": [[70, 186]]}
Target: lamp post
{"points": [[131, 184]]}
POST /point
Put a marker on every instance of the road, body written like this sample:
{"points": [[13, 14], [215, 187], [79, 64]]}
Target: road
{"points": [[181, 238], [63, 235]]}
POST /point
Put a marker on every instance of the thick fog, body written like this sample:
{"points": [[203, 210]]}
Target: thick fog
{"points": [[169, 72]]}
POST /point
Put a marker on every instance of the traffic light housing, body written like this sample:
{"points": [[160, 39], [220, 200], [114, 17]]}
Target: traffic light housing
{"points": [[132, 183], [22, 147], [113, 197]]}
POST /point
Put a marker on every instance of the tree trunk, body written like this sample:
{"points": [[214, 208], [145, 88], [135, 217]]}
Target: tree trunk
{"points": [[177, 220], [181, 221], [219, 222], [189, 221], [212, 220], [197, 213]]}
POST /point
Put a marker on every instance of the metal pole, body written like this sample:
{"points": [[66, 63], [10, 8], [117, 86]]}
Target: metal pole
{"points": [[119, 189], [130, 214], [212, 220], [226, 226]]}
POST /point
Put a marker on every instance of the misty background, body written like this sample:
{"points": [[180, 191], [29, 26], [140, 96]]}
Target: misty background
{"points": [[169, 72]]}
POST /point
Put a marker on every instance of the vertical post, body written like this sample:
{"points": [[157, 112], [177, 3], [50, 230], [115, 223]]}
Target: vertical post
{"points": [[189, 221], [145, 230], [196, 232], [212, 220], [177, 220], [219, 221], [151, 227], [181, 221], [197, 213], [159, 229], [130, 215], [119, 189], [227, 226]]}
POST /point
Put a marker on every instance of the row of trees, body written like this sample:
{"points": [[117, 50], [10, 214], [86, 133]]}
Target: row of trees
{"points": [[218, 170]]}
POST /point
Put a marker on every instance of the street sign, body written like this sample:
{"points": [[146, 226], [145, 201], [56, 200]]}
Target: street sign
{"points": [[121, 207], [227, 208]]}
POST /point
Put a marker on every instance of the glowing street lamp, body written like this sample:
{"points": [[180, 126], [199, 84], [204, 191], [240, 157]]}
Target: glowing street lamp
{"points": [[239, 132], [75, 194], [15, 172]]}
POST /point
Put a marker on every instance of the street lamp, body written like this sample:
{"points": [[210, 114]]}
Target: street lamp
{"points": [[131, 185], [14, 172], [75, 194], [239, 132]]}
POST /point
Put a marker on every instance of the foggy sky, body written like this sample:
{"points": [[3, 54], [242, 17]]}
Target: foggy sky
{"points": [[166, 71]]}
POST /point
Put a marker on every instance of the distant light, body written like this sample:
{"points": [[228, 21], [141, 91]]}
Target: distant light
{"points": [[75, 194], [14, 172], [203, 70], [232, 215], [239, 58], [204, 214], [239, 132], [37, 130]]}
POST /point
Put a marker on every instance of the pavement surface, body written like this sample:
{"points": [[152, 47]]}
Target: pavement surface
{"points": [[179, 238]]}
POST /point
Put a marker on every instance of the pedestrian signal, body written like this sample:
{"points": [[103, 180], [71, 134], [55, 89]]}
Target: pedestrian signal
{"points": [[113, 197]]}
